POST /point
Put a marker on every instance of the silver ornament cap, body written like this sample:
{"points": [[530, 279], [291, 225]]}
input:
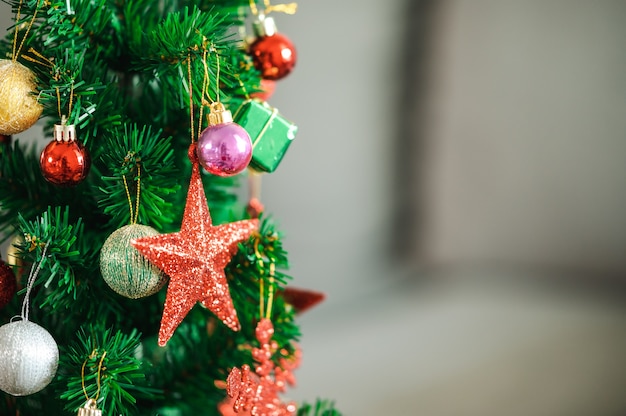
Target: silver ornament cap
{"points": [[29, 358], [64, 132], [264, 26]]}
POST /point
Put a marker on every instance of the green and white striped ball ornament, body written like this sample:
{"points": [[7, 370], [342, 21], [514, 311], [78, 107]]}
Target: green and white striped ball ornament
{"points": [[124, 269]]}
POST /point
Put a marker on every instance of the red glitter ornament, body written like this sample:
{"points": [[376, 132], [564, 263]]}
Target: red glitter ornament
{"points": [[257, 392], [64, 161], [272, 53], [254, 208], [8, 284], [194, 258]]}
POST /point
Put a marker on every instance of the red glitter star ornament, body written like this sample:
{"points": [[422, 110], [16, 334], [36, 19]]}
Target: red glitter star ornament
{"points": [[194, 258]]}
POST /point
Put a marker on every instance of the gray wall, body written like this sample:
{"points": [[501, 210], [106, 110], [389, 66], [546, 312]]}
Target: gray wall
{"points": [[525, 135]]}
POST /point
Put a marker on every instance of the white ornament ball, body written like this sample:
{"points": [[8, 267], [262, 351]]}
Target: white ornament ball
{"points": [[124, 269], [29, 358]]}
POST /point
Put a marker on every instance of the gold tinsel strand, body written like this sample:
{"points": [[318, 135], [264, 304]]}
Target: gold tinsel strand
{"points": [[19, 108], [124, 269]]}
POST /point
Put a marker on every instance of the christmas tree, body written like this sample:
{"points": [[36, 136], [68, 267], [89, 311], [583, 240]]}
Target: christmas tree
{"points": [[138, 282]]}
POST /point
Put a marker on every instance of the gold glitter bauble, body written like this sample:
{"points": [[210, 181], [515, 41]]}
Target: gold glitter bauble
{"points": [[13, 257], [19, 108], [124, 269]]}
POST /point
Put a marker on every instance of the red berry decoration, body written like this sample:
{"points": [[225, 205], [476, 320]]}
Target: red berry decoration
{"points": [[65, 161], [272, 53], [8, 284]]}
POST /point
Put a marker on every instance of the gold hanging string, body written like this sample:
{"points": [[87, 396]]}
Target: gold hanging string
{"points": [[205, 88], [217, 73], [44, 61], [265, 312], [190, 97], [47, 62], [59, 101], [261, 285], [133, 216], [287, 8], [16, 51], [93, 355], [17, 29], [241, 84], [71, 99], [138, 192], [253, 8], [270, 297]]}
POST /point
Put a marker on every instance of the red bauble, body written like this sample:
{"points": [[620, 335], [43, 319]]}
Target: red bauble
{"points": [[272, 53], [8, 284], [274, 56], [65, 163], [4, 139]]}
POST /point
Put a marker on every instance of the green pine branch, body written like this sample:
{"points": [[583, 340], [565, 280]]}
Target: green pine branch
{"points": [[104, 365], [119, 70], [320, 408], [69, 257], [140, 165], [25, 192]]}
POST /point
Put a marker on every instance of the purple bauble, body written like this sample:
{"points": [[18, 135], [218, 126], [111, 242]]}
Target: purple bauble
{"points": [[224, 149]]}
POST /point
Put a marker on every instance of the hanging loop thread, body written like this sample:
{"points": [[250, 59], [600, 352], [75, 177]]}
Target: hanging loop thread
{"points": [[34, 271]]}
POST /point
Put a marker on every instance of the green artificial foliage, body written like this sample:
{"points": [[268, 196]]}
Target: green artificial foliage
{"points": [[135, 77], [320, 408]]}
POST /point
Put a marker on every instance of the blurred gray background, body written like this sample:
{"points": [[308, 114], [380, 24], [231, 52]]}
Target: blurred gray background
{"points": [[456, 189]]}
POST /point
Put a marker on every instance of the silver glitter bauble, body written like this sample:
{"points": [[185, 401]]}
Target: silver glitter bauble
{"points": [[126, 270], [29, 358]]}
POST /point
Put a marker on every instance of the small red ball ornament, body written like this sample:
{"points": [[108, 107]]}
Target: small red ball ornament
{"points": [[65, 161], [272, 53], [8, 284]]}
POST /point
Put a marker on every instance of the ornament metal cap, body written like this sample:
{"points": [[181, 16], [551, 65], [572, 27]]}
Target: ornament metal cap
{"points": [[64, 132], [265, 26], [89, 409], [219, 114]]}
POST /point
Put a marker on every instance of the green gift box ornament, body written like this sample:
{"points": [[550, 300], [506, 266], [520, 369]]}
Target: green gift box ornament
{"points": [[270, 132]]}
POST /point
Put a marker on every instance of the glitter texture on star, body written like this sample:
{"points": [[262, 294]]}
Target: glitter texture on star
{"points": [[194, 258]]}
